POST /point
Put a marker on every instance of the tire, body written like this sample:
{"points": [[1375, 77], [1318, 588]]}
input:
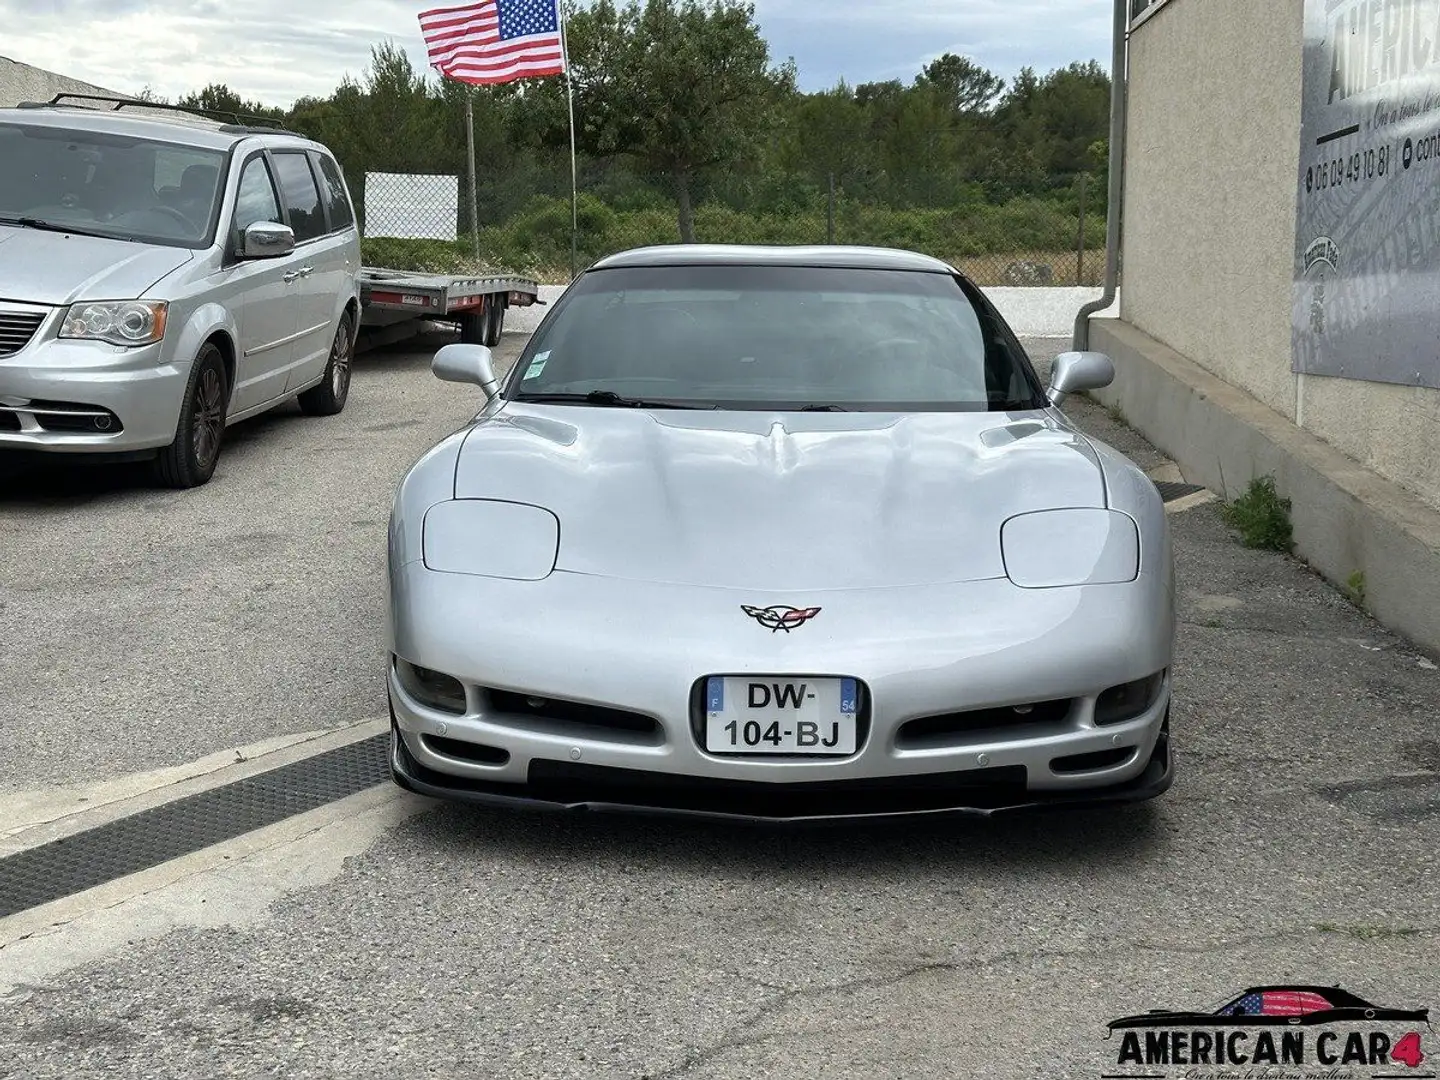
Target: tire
{"points": [[329, 397], [486, 327], [494, 321], [189, 461], [472, 329]]}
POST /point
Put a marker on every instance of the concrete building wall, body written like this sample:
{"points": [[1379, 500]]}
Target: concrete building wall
{"points": [[1209, 226], [21, 82], [1213, 142]]}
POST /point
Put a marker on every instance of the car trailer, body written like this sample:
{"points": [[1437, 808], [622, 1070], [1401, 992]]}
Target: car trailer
{"points": [[395, 304]]}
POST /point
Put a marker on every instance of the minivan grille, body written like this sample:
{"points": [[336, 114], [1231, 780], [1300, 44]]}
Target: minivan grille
{"points": [[16, 330]]}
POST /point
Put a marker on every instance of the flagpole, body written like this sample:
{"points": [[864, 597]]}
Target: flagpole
{"points": [[470, 150], [574, 171]]}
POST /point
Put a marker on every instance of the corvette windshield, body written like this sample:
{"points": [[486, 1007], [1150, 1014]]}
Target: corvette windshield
{"points": [[107, 185], [773, 337]]}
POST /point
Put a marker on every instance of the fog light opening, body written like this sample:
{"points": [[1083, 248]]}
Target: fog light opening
{"points": [[1120, 704], [433, 689]]}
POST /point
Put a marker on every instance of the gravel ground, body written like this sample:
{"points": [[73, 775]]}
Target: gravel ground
{"points": [[1298, 845]]}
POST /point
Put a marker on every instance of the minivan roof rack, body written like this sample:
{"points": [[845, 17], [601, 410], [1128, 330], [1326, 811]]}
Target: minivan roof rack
{"points": [[240, 120]]}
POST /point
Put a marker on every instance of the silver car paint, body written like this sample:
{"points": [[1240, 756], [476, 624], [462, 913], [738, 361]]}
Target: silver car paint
{"points": [[822, 500], [61, 268], [275, 356], [669, 522]]}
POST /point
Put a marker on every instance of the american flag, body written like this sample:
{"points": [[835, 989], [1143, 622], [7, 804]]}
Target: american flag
{"points": [[495, 41], [1280, 1003]]}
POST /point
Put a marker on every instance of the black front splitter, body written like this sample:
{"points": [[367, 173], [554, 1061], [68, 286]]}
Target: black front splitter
{"points": [[409, 774]]}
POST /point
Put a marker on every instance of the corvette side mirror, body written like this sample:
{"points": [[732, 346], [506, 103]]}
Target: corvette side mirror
{"points": [[1073, 372], [467, 364]]}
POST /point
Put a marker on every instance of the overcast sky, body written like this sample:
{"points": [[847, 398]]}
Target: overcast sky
{"points": [[266, 49]]}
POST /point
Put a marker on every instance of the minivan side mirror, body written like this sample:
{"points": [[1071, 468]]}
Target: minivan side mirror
{"points": [[266, 240], [467, 364], [1073, 372]]}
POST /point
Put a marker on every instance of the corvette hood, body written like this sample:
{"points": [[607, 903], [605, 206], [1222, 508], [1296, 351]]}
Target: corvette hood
{"points": [[778, 501], [39, 267]]}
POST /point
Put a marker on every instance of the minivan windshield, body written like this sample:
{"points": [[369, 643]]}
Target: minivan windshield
{"points": [[774, 337], [108, 185]]}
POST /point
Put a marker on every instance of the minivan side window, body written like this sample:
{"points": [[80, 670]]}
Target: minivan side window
{"points": [[255, 201], [302, 197], [188, 181], [342, 216]]}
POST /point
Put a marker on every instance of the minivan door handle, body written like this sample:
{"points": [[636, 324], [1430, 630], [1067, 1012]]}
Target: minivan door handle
{"points": [[304, 271]]}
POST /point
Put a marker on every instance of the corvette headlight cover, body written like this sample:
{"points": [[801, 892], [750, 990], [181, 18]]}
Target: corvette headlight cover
{"points": [[1052, 549], [490, 538], [117, 322]]}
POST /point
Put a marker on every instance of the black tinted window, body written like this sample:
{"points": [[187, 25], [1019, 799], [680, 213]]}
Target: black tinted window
{"points": [[336, 200], [757, 337], [256, 198], [302, 197], [110, 185]]}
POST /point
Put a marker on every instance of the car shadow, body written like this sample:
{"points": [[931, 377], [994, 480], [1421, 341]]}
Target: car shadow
{"points": [[47, 483], [1077, 838], [415, 352], [60, 482]]}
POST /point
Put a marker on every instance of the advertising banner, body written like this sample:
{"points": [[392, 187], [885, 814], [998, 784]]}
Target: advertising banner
{"points": [[1366, 301]]}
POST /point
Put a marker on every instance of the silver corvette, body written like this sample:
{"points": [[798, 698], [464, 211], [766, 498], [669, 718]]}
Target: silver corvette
{"points": [[784, 534]]}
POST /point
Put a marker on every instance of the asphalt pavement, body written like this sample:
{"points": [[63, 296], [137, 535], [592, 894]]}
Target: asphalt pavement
{"points": [[143, 628], [397, 937]]}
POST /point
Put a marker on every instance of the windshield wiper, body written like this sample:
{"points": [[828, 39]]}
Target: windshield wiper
{"points": [[50, 226], [824, 408], [608, 399]]}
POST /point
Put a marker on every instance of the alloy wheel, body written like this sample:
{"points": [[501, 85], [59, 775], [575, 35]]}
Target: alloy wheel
{"points": [[209, 417], [340, 361]]}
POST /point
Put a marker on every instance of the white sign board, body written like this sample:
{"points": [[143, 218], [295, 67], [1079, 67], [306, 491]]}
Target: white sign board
{"points": [[412, 206]]}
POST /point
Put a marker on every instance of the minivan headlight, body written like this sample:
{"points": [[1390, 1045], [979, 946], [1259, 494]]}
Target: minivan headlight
{"points": [[118, 322]]}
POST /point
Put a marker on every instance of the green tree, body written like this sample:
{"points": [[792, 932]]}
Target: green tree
{"points": [[403, 125], [1065, 112], [686, 89], [966, 86], [217, 97], [827, 136]]}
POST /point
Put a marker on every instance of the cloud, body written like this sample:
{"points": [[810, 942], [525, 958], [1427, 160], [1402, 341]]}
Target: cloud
{"points": [[278, 50]]}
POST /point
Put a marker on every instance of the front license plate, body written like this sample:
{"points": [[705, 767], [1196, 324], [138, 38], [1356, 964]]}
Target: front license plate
{"points": [[774, 715]]}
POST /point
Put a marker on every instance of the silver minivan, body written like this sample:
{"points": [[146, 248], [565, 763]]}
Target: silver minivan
{"points": [[163, 276]]}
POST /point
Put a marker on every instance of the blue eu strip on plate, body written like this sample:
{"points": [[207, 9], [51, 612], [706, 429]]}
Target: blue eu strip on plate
{"points": [[715, 691]]}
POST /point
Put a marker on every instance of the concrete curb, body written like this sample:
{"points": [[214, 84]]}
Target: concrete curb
{"points": [[1345, 517]]}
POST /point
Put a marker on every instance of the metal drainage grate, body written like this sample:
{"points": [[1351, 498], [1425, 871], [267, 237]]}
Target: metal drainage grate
{"points": [[1172, 492], [64, 867]]}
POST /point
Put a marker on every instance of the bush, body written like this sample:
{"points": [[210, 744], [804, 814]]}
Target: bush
{"points": [[536, 240], [1261, 517]]}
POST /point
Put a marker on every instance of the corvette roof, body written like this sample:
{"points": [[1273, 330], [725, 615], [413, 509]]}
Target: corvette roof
{"points": [[858, 258]]}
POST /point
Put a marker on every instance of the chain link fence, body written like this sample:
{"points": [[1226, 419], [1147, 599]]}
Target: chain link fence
{"points": [[1036, 232]]}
